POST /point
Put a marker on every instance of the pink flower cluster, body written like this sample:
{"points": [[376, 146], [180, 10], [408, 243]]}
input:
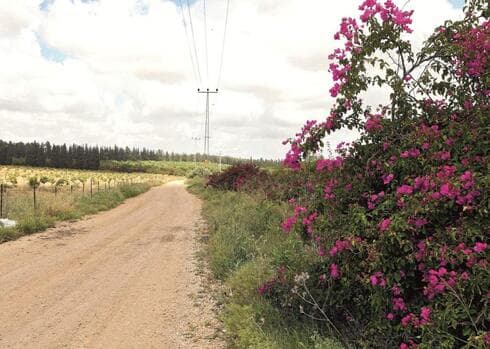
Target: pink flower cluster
{"points": [[438, 281], [334, 271], [342, 245], [475, 48], [289, 222], [329, 164], [411, 345], [388, 12], [417, 222], [373, 123], [293, 156], [328, 190], [308, 222], [377, 279], [384, 225], [411, 153], [404, 190], [374, 199], [411, 319], [387, 178], [398, 304]]}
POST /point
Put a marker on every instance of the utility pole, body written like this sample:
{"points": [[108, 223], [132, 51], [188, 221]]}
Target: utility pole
{"points": [[206, 131]]}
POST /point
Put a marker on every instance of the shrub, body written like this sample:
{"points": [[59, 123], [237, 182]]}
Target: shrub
{"points": [[199, 172], [394, 230], [234, 177], [245, 240]]}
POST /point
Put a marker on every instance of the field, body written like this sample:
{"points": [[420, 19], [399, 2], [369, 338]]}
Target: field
{"points": [[175, 168], [38, 197]]}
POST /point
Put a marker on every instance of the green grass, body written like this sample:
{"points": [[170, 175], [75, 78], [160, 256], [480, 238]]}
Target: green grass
{"points": [[175, 168], [245, 241], [65, 206]]}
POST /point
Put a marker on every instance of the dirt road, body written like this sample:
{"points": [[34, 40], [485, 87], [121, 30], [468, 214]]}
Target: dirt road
{"points": [[126, 278]]}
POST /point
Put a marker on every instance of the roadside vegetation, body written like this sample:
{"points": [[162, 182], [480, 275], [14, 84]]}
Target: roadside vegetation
{"points": [[385, 243], [174, 168], [65, 206], [245, 244]]}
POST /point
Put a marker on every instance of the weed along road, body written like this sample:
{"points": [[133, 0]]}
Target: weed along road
{"points": [[125, 278]]}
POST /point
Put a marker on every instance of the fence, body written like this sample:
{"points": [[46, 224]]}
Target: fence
{"points": [[17, 199]]}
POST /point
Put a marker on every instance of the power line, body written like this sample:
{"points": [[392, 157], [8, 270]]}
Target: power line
{"points": [[194, 41], [224, 42], [206, 41], [188, 44]]}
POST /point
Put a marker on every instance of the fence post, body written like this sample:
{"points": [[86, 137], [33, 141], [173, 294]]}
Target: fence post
{"points": [[71, 189], [55, 190], [1, 200], [83, 188], [34, 191], [98, 186], [91, 187]]}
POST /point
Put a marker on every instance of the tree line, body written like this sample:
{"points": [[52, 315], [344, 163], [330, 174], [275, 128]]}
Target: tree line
{"points": [[85, 157]]}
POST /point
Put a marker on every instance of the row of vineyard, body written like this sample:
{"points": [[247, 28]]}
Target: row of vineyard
{"points": [[57, 179], [36, 198]]}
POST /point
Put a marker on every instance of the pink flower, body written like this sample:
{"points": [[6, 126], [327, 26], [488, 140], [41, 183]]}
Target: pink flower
{"points": [[384, 225], [334, 271], [480, 247], [373, 123], [404, 190], [288, 224], [388, 178], [329, 164], [390, 316], [448, 190], [425, 315], [399, 304], [407, 319], [334, 91], [378, 279]]}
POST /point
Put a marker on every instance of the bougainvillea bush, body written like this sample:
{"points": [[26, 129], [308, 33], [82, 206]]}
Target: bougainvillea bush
{"points": [[234, 177], [395, 228]]}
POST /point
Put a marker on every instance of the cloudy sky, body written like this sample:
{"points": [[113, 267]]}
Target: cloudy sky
{"points": [[119, 71]]}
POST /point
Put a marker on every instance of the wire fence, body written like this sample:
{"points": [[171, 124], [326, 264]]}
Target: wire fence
{"points": [[12, 198]]}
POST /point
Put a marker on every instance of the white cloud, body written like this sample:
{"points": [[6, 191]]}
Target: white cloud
{"points": [[127, 78]]}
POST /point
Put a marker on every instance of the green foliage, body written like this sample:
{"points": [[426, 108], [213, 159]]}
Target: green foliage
{"points": [[245, 244], [173, 168]]}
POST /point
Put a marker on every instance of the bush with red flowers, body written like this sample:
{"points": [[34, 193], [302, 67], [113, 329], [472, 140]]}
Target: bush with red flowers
{"points": [[394, 230], [234, 177]]}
